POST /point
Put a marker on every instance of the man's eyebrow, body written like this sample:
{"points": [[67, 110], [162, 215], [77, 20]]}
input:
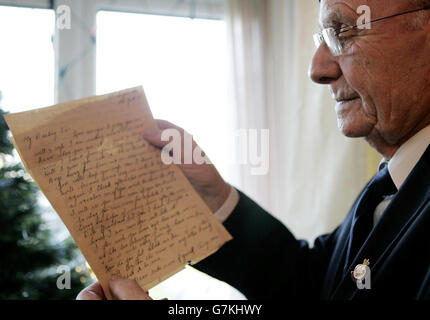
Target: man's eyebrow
{"points": [[336, 16]]}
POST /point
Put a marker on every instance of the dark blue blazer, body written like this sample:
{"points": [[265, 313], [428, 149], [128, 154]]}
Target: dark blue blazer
{"points": [[265, 261]]}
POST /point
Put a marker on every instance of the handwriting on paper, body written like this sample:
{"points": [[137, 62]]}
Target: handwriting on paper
{"points": [[130, 214]]}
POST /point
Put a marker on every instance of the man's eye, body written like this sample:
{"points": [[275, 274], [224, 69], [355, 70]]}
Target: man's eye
{"points": [[346, 30], [347, 34]]}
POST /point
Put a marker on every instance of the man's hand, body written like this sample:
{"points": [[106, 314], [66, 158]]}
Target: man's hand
{"points": [[121, 289], [204, 178]]}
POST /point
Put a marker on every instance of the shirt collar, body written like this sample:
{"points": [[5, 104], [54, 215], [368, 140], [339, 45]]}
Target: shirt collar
{"points": [[407, 156]]}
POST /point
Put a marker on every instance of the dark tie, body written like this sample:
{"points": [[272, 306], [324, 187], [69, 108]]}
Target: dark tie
{"points": [[362, 222]]}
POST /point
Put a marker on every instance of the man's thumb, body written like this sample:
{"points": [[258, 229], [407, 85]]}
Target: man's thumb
{"points": [[126, 289], [153, 136]]}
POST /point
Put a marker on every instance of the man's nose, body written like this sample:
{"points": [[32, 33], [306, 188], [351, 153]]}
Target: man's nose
{"points": [[324, 68]]}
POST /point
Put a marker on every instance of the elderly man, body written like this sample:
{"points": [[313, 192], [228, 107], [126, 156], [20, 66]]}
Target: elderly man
{"points": [[380, 78]]}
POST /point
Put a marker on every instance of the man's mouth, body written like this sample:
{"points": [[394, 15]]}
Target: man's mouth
{"points": [[346, 100]]}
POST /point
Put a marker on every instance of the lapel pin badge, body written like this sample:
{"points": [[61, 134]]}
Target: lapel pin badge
{"points": [[360, 273]]}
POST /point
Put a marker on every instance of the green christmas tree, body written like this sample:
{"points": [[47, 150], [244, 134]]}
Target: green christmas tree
{"points": [[29, 260]]}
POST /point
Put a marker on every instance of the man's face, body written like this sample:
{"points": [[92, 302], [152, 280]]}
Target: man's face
{"points": [[382, 80]]}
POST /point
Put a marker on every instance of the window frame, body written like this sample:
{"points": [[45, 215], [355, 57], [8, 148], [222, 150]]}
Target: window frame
{"points": [[79, 80]]}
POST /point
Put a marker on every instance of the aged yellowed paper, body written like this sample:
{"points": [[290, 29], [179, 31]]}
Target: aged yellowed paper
{"points": [[129, 213]]}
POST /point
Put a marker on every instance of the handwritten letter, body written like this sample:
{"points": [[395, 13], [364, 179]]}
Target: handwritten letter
{"points": [[130, 214]]}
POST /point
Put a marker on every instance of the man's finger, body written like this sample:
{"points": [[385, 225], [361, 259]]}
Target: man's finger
{"points": [[92, 292], [153, 136], [126, 289]]}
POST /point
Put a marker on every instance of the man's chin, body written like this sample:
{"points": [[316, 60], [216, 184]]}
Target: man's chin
{"points": [[352, 121], [353, 130]]}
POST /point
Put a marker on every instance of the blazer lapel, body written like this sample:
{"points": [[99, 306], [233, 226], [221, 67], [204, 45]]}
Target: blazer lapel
{"points": [[397, 218], [336, 264]]}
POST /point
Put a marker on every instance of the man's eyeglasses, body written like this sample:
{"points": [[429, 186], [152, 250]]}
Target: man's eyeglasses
{"points": [[335, 43]]}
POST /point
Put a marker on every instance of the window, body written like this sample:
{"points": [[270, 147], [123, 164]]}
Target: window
{"points": [[183, 66], [26, 58]]}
